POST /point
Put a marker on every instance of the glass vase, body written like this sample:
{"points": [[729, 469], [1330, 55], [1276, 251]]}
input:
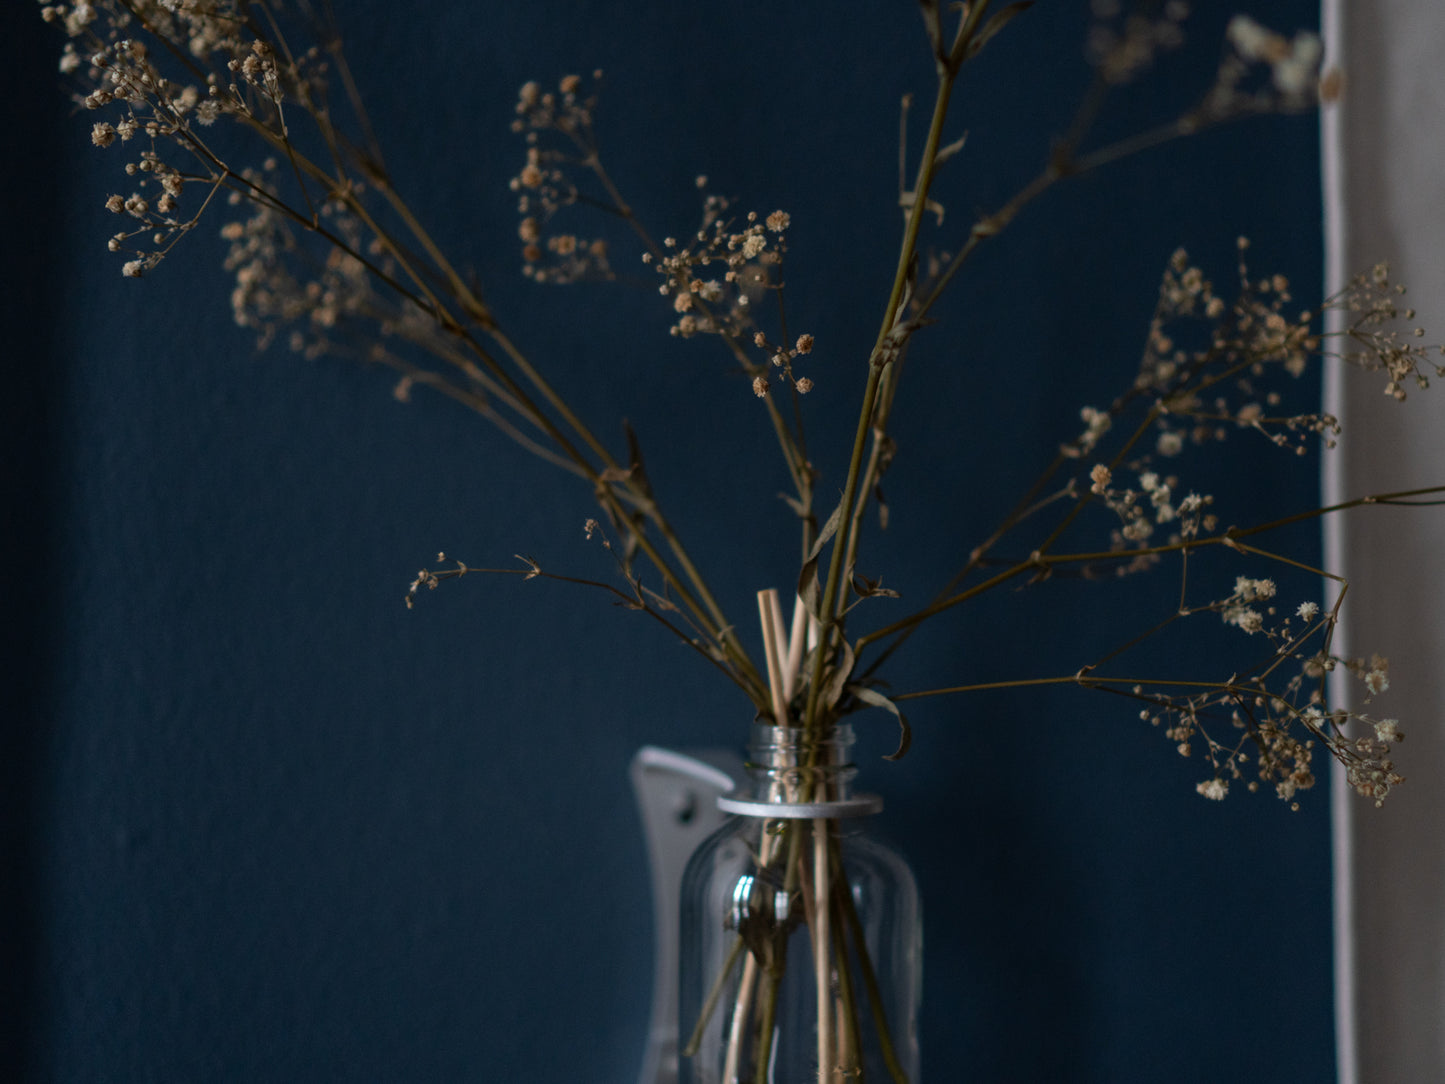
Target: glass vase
{"points": [[801, 951]]}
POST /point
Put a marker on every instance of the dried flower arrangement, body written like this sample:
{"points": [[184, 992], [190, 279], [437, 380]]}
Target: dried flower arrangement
{"points": [[329, 258]]}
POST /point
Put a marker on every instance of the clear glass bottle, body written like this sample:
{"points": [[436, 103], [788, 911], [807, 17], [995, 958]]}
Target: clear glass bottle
{"points": [[767, 923]]}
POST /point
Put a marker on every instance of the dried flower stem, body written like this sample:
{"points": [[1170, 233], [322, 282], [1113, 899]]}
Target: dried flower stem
{"points": [[877, 364], [791, 445], [818, 911], [1229, 539]]}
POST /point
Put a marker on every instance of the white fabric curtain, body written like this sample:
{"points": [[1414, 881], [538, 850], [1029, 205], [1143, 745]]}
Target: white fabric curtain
{"points": [[1384, 166]]}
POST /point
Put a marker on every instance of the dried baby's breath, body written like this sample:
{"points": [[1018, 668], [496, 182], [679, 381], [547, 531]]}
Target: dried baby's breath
{"points": [[326, 257]]}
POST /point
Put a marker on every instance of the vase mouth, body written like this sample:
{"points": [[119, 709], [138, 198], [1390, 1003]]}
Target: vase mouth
{"points": [[839, 735], [793, 764]]}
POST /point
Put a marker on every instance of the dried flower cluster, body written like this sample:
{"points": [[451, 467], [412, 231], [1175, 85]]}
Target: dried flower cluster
{"points": [[740, 265], [1211, 367], [1261, 71], [1208, 364], [1276, 714], [1206, 371], [714, 280], [277, 288], [1123, 45], [1374, 339], [223, 71], [543, 187], [1153, 504], [717, 279], [1293, 63]]}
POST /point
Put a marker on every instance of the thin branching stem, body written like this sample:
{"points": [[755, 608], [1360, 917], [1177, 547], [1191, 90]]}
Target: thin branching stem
{"points": [[1041, 562], [878, 362]]}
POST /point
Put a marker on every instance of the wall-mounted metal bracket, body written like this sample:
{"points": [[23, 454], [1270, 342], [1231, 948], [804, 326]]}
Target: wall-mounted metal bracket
{"points": [[677, 798]]}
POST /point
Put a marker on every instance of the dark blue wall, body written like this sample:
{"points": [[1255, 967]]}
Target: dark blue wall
{"points": [[266, 824]]}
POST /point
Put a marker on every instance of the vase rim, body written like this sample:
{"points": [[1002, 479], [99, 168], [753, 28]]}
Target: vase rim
{"points": [[861, 805]]}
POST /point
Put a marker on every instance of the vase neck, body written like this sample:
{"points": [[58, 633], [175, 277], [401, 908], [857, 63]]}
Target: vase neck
{"points": [[790, 764]]}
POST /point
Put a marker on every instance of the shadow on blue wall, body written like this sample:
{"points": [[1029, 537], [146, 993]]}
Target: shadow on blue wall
{"points": [[32, 306]]}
